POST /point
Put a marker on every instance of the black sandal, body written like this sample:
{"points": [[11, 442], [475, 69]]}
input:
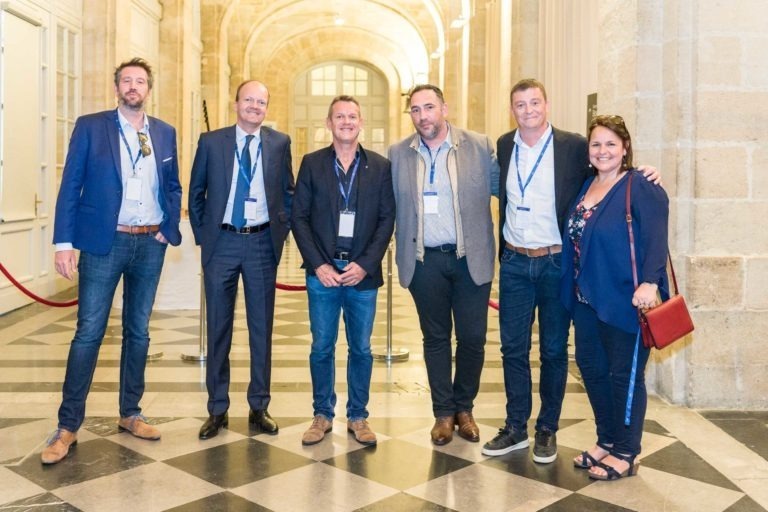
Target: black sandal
{"points": [[611, 473], [587, 461]]}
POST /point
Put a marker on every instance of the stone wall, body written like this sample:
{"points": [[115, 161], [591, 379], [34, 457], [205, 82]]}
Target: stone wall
{"points": [[689, 79]]}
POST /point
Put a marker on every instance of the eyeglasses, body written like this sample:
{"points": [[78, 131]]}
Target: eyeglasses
{"points": [[145, 149]]}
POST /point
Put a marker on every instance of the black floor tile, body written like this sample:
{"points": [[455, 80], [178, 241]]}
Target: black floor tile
{"points": [[654, 427], [398, 464], [404, 503], [46, 502], [578, 502], [745, 504], [239, 463], [751, 431], [11, 422], [222, 502], [85, 461], [680, 460], [560, 473]]}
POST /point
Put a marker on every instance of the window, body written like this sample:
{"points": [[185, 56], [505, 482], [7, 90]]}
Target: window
{"points": [[67, 91]]}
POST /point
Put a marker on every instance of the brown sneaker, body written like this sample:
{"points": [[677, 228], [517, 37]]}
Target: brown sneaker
{"points": [[58, 446], [362, 431], [138, 426], [316, 432]]}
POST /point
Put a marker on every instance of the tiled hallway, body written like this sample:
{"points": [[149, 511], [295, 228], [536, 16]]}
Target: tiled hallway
{"points": [[692, 460]]}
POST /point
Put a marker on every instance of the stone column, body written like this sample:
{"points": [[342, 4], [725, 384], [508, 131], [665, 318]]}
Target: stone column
{"points": [[688, 79]]}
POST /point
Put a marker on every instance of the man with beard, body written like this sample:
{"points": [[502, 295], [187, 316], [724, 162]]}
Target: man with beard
{"points": [[119, 204], [442, 178]]}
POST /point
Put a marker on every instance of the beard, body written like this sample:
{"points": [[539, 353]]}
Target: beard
{"points": [[428, 131], [134, 103]]}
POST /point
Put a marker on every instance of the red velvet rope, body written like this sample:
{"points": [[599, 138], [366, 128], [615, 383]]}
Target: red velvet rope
{"points": [[290, 287], [280, 286], [32, 295]]}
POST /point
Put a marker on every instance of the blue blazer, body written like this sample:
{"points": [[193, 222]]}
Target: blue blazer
{"points": [[92, 185], [211, 181], [605, 279], [315, 217]]}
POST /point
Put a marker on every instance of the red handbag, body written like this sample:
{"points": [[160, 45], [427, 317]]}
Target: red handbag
{"points": [[670, 320]]}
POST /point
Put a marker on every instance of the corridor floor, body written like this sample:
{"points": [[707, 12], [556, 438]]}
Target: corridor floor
{"points": [[691, 461]]}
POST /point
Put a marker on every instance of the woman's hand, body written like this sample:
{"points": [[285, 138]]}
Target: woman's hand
{"points": [[645, 297]]}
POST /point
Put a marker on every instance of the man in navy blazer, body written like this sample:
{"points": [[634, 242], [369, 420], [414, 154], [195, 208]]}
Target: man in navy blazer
{"points": [[119, 204], [240, 195], [343, 218], [542, 170]]}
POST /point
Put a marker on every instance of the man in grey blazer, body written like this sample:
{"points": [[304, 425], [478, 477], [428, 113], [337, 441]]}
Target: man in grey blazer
{"points": [[442, 177], [240, 195]]}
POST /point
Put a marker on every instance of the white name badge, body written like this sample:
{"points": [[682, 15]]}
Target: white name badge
{"points": [[133, 189], [431, 203], [346, 224], [522, 217], [250, 208]]}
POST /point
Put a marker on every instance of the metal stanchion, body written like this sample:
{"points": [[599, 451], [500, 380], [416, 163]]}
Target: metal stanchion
{"points": [[390, 354], [201, 355]]}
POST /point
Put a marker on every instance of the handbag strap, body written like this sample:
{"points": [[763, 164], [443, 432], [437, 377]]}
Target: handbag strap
{"points": [[632, 241]]}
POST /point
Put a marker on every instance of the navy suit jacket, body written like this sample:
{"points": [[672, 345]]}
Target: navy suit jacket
{"points": [[605, 278], [211, 181], [571, 171], [315, 217], [91, 189]]}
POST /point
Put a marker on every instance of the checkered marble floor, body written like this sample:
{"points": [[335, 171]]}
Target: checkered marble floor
{"points": [[692, 460]]}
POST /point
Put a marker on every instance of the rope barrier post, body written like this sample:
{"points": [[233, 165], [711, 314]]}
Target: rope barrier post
{"points": [[201, 355], [390, 354]]}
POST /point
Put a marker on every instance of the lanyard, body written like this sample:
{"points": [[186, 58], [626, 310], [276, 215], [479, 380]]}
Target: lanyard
{"points": [[127, 147], [432, 161], [253, 167], [535, 166], [339, 169]]}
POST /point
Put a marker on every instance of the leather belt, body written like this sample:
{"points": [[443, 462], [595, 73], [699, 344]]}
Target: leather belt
{"points": [[246, 230], [442, 248], [535, 253], [139, 230]]}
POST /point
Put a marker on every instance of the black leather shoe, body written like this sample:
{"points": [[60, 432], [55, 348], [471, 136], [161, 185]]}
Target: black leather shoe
{"points": [[261, 420], [212, 425]]}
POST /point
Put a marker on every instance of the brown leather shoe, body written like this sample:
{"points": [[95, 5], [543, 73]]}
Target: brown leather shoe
{"points": [[138, 426], [442, 432], [58, 446], [316, 432], [362, 431], [467, 426]]}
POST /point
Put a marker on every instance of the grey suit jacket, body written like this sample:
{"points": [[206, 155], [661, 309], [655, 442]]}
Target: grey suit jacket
{"points": [[211, 181], [476, 168]]}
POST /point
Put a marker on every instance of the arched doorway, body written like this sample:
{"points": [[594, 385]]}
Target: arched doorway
{"points": [[317, 86]]}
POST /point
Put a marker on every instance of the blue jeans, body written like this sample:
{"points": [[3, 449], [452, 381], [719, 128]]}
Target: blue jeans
{"points": [[525, 285], [359, 309], [604, 355], [138, 259], [444, 292]]}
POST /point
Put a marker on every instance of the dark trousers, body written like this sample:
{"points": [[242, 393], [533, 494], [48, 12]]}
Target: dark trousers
{"points": [[526, 286], [604, 355], [252, 257], [444, 293]]}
